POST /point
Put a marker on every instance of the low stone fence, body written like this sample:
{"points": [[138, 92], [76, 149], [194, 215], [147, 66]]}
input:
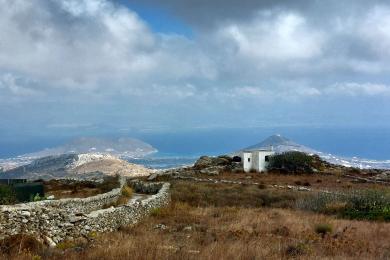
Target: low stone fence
{"points": [[113, 218], [55, 221]]}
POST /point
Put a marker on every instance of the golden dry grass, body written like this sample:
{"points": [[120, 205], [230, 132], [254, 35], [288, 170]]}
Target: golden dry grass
{"points": [[237, 233], [226, 226]]}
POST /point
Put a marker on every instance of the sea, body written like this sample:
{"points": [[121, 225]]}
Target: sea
{"points": [[183, 147]]}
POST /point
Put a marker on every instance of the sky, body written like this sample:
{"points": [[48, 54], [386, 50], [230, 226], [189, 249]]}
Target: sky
{"points": [[72, 67]]}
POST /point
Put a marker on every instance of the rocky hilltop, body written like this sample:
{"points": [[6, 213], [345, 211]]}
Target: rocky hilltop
{"points": [[280, 144], [76, 166]]}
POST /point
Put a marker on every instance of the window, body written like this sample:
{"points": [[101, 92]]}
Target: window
{"points": [[266, 158], [249, 159]]}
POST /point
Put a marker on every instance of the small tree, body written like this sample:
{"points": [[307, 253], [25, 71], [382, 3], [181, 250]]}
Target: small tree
{"points": [[293, 162]]}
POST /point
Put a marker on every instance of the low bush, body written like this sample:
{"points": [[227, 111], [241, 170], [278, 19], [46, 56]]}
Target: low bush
{"points": [[323, 229], [292, 162], [36, 197], [371, 205], [127, 191], [7, 195], [296, 250], [66, 245]]}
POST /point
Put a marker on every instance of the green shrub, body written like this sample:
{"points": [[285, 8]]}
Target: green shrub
{"points": [[7, 195], [370, 204], [292, 162], [323, 229], [37, 197]]}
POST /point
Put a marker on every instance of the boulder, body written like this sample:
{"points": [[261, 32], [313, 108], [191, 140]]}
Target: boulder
{"points": [[152, 177], [385, 176], [214, 170]]}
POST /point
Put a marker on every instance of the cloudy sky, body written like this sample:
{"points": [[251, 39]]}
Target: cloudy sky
{"points": [[88, 65]]}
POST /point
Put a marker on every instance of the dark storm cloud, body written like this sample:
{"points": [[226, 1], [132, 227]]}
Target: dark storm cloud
{"points": [[205, 13]]}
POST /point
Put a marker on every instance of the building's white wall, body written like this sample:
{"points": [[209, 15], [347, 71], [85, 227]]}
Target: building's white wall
{"points": [[255, 160], [247, 161], [261, 164]]}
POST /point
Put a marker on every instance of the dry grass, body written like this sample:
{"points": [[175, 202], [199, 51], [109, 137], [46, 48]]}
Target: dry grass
{"points": [[127, 192], [123, 199], [206, 221], [206, 194], [236, 233]]}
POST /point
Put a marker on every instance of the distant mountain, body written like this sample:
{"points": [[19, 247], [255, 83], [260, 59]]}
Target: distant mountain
{"points": [[282, 144], [122, 147], [75, 166]]}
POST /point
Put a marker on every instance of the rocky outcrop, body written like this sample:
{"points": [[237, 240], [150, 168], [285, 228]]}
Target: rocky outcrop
{"points": [[204, 165], [215, 165], [207, 161], [69, 219]]}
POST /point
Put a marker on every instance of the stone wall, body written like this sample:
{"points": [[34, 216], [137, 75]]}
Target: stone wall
{"points": [[55, 221]]}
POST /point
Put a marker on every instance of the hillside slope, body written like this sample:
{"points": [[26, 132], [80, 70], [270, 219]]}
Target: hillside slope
{"points": [[78, 166]]}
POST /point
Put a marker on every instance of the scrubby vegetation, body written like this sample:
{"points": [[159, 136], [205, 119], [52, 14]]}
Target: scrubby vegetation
{"points": [[126, 194], [123, 199], [323, 229], [366, 204], [127, 191], [206, 195], [293, 162], [232, 221], [7, 195], [201, 223]]}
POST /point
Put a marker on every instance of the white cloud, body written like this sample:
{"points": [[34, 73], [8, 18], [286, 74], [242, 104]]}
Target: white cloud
{"points": [[375, 29], [88, 44], [274, 36], [88, 56]]}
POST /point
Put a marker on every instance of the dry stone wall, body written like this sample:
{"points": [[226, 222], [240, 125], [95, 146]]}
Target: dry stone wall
{"points": [[68, 219]]}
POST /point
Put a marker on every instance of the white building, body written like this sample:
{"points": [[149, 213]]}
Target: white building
{"points": [[256, 160]]}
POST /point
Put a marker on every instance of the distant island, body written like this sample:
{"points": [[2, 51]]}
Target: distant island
{"points": [[121, 147], [124, 148]]}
